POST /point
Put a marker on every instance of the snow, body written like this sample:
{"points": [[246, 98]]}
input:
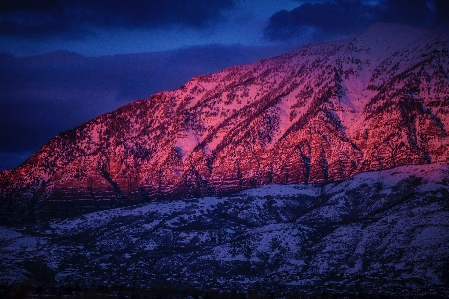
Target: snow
{"points": [[431, 236], [14, 242], [283, 190], [8, 234], [384, 40], [185, 143]]}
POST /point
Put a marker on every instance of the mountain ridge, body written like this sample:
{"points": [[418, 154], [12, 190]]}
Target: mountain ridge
{"points": [[322, 113]]}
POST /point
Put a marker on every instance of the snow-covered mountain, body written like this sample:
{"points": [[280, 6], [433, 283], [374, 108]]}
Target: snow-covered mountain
{"points": [[320, 114], [377, 232]]}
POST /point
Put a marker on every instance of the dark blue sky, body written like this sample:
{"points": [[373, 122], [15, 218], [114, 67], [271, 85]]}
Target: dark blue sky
{"points": [[89, 27], [65, 62]]}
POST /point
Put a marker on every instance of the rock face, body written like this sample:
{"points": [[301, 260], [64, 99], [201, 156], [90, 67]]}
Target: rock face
{"points": [[322, 113]]}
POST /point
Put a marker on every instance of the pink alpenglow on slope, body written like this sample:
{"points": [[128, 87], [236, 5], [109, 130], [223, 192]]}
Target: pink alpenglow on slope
{"points": [[322, 113]]}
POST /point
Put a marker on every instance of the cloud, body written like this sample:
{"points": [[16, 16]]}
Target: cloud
{"points": [[77, 18], [346, 17]]}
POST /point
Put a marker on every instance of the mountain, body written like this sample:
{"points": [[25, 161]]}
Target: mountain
{"points": [[322, 113], [67, 89], [381, 232]]}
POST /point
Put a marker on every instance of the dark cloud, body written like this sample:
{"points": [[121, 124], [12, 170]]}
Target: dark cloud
{"points": [[345, 17], [76, 18]]}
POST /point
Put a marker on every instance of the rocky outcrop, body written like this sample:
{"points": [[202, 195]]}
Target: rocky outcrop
{"points": [[322, 113]]}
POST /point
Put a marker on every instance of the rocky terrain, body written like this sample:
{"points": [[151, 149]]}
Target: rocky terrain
{"points": [[381, 232], [322, 113]]}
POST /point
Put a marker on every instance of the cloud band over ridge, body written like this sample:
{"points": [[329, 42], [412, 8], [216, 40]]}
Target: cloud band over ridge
{"points": [[343, 17]]}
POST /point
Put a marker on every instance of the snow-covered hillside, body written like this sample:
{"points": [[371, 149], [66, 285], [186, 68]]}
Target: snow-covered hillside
{"points": [[382, 231]]}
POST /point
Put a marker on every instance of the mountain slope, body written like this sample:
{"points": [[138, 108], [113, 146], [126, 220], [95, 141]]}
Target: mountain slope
{"points": [[322, 113], [384, 231]]}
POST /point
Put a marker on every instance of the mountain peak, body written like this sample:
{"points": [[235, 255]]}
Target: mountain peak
{"points": [[322, 113]]}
